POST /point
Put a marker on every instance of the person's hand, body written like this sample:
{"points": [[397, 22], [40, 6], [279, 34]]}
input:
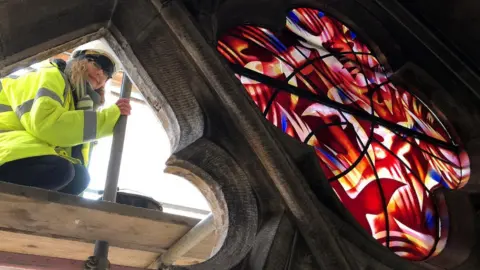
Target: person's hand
{"points": [[124, 106]]}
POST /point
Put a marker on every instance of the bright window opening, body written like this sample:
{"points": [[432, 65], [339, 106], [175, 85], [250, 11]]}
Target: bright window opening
{"points": [[145, 152]]}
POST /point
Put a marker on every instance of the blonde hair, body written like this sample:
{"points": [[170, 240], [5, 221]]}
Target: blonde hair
{"points": [[77, 73], [76, 70]]}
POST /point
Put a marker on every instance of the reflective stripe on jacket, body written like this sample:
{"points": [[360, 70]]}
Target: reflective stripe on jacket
{"points": [[38, 117]]}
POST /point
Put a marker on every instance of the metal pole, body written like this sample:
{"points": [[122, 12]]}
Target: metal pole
{"points": [[117, 146], [99, 261], [187, 242]]}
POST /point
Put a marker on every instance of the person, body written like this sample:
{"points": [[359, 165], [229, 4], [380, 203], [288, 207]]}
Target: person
{"points": [[48, 121]]}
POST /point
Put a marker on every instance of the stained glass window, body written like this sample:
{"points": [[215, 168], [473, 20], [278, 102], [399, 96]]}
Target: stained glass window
{"points": [[383, 150]]}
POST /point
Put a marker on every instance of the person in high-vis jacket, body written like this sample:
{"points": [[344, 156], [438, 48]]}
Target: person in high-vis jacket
{"points": [[48, 120]]}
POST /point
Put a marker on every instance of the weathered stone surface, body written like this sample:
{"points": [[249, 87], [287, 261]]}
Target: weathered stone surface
{"points": [[266, 188], [226, 187], [158, 53], [24, 25], [455, 22]]}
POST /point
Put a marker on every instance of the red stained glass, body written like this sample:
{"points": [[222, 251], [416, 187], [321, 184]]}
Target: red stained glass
{"points": [[382, 149]]}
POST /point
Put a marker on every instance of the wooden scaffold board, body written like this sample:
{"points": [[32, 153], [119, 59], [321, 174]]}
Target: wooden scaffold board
{"points": [[59, 226]]}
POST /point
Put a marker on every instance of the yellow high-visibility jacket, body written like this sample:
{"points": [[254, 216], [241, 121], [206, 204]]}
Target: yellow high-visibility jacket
{"points": [[38, 117]]}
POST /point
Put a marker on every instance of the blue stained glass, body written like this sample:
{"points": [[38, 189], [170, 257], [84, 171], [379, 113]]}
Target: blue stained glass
{"points": [[292, 16], [435, 175], [330, 157], [353, 35], [444, 184], [343, 95], [284, 123], [278, 44], [430, 220]]}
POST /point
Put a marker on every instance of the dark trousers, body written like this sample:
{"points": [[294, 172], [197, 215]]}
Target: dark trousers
{"points": [[47, 172]]}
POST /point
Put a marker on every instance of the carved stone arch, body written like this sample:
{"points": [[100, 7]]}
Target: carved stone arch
{"points": [[146, 36], [227, 189], [191, 68], [146, 46], [282, 174], [180, 97]]}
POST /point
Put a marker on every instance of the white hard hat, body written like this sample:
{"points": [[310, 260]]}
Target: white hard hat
{"points": [[101, 52]]}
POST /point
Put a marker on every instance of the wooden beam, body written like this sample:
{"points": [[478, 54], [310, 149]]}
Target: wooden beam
{"points": [[34, 262], [48, 251], [191, 239], [33, 212]]}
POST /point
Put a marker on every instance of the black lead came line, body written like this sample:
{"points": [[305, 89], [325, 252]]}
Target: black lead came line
{"points": [[328, 102]]}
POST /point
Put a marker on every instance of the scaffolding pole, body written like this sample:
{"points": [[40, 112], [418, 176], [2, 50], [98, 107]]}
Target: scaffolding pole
{"points": [[99, 260], [198, 233]]}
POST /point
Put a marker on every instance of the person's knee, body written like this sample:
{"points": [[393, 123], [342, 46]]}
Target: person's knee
{"points": [[47, 172], [80, 181], [82, 177], [62, 174]]}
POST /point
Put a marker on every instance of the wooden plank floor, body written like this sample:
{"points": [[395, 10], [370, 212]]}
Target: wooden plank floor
{"points": [[45, 223], [15, 261]]}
